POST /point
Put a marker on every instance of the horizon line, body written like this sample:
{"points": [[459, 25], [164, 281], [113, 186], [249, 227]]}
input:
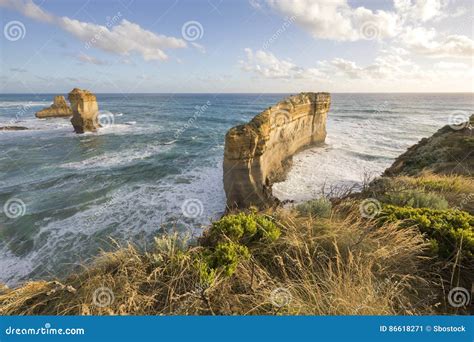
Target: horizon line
{"points": [[240, 93]]}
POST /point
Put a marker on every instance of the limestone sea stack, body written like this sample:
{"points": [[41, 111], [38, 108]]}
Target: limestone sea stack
{"points": [[85, 111], [258, 154], [59, 108]]}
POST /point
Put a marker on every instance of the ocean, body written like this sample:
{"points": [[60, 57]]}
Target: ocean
{"points": [[156, 167]]}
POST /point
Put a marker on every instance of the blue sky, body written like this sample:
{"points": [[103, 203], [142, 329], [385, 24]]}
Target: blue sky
{"points": [[259, 46]]}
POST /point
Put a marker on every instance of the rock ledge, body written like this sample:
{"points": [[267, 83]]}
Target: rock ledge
{"points": [[258, 154]]}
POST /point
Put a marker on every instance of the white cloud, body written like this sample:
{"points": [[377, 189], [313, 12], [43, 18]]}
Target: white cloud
{"points": [[427, 42], [451, 65], [385, 66], [124, 39], [386, 69], [89, 59], [422, 10], [336, 20], [28, 9], [268, 65]]}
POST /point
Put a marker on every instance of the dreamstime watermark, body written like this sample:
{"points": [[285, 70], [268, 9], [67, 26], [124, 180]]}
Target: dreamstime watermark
{"points": [[369, 208], [14, 30], [106, 119], [102, 297], [110, 21], [103, 209], [459, 297], [198, 292], [286, 24], [280, 297], [459, 120], [198, 112], [46, 330], [370, 30], [280, 117], [22, 110], [465, 200], [14, 208], [377, 111], [192, 30], [192, 208]]}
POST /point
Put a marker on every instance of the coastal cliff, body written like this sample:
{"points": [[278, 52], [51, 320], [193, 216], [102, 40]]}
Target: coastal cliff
{"points": [[258, 154], [444, 152], [59, 108]]}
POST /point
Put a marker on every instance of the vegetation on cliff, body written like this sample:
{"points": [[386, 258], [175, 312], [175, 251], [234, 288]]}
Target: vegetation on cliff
{"points": [[398, 247]]}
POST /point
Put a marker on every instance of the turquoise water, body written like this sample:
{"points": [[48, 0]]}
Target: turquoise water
{"points": [[156, 167]]}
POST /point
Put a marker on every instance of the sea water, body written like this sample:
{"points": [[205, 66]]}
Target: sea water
{"points": [[156, 167]]}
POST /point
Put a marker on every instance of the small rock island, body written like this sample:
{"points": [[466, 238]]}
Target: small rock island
{"points": [[85, 111], [58, 109], [258, 154]]}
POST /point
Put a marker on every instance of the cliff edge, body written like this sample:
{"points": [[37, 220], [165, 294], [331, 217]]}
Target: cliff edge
{"points": [[449, 151], [258, 154]]}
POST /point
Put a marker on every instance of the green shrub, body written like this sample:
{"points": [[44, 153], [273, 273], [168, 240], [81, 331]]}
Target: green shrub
{"points": [[207, 275], [235, 227], [245, 228], [320, 207], [229, 240], [266, 229], [416, 199], [448, 230], [224, 257]]}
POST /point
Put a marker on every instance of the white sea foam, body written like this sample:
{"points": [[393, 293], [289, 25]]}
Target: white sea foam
{"points": [[135, 211], [116, 158], [24, 104], [356, 149]]}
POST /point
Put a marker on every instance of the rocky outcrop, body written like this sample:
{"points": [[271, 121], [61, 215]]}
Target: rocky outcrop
{"points": [[85, 111], [448, 151], [59, 108], [258, 154], [13, 128]]}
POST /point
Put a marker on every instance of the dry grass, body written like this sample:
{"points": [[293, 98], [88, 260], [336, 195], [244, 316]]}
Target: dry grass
{"points": [[458, 190], [336, 266]]}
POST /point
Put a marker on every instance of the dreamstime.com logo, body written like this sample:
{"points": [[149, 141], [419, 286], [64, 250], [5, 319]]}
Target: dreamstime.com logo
{"points": [[110, 22], [106, 119], [459, 297], [14, 208], [192, 208], [14, 30], [280, 297], [103, 297], [46, 330], [369, 208], [192, 30], [280, 117], [458, 120], [370, 30]]}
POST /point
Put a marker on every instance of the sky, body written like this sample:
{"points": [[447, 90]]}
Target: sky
{"points": [[236, 46]]}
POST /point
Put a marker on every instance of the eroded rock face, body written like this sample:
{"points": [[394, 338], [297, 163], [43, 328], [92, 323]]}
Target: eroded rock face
{"points": [[85, 111], [59, 108], [258, 154]]}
